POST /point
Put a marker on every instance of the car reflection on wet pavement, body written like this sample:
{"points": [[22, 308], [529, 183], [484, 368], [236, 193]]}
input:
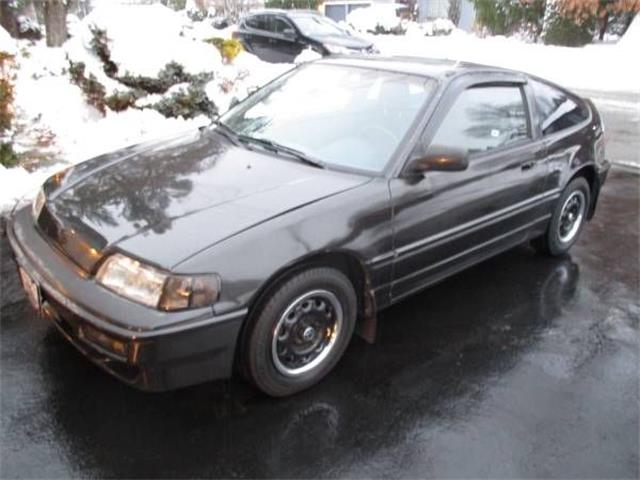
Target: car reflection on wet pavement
{"points": [[523, 366]]}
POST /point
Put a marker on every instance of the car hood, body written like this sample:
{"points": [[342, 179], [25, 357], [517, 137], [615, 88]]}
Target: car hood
{"points": [[165, 201], [343, 41]]}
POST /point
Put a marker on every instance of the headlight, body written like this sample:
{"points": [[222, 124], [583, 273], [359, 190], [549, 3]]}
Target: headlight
{"points": [[154, 288], [38, 204], [337, 49]]}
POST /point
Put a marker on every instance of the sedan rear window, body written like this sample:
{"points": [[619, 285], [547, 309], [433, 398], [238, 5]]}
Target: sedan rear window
{"points": [[343, 116]]}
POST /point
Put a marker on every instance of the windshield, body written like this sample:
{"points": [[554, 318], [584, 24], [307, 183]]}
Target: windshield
{"points": [[343, 116], [314, 25]]}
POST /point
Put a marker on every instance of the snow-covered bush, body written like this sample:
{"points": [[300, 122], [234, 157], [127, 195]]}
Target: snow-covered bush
{"points": [[120, 101], [171, 74], [143, 39], [94, 92], [187, 101]]}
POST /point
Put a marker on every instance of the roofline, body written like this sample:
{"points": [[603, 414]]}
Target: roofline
{"points": [[282, 11], [455, 68]]}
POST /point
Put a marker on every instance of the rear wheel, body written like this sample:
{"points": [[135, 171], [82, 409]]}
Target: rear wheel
{"points": [[567, 220], [301, 332]]}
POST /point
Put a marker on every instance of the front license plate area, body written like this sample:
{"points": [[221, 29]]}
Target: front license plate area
{"points": [[31, 288]]}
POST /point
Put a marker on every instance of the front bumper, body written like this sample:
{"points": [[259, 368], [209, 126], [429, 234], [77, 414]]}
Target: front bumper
{"points": [[146, 348]]}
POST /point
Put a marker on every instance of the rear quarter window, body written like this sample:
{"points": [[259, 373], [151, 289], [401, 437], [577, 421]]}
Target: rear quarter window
{"points": [[557, 111]]}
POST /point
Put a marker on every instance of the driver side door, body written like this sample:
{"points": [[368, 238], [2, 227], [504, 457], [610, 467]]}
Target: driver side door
{"points": [[286, 41], [446, 221]]}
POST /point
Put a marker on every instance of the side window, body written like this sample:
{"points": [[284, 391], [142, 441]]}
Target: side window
{"points": [[556, 110], [484, 118], [259, 22], [279, 25]]}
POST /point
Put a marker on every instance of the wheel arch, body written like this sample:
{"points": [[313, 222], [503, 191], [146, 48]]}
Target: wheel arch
{"points": [[349, 263], [588, 172]]}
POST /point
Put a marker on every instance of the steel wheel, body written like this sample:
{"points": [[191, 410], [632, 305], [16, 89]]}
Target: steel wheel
{"points": [[306, 332], [568, 218], [300, 331], [571, 216]]}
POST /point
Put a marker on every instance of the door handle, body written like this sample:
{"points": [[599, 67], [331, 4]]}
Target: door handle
{"points": [[528, 165]]}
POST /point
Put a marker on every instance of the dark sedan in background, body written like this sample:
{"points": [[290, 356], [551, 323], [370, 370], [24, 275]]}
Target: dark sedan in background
{"points": [[279, 36], [262, 242]]}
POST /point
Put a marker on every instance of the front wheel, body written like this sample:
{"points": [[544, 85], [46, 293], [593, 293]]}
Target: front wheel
{"points": [[567, 220], [301, 333]]}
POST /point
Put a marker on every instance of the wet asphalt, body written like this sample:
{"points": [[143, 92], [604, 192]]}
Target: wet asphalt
{"points": [[523, 366]]}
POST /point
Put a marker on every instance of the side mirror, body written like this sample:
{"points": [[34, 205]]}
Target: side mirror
{"points": [[440, 159], [289, 33]]}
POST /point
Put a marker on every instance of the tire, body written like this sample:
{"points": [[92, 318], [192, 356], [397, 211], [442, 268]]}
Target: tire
{"points": [[564, 230], [314, 314]]}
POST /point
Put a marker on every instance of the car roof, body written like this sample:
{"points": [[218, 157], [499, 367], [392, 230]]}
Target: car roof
{"points": [[289, 13], [428, 67]]}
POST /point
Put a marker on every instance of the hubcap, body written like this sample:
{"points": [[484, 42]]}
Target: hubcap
{"points": [[571, 216], [306, 332]]}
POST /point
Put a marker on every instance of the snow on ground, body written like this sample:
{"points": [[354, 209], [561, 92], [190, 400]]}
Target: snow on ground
{"points": [[146, 51], [369, 19], [7, 44], [53, 118], [631, 38]]}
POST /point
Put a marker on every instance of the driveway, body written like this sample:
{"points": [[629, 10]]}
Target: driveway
{"points": [[524, 366], [621, 114]]}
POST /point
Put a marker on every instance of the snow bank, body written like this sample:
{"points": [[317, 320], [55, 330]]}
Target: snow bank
{"points": [[307, 55], [144, 38], [7, 44], [631, 38], [18, 184], [238, 80], [369, 19], [593, 67], [53, 117]]}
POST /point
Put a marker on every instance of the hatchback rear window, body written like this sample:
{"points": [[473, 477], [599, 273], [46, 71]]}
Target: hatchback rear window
{"points": [[556, 110]]}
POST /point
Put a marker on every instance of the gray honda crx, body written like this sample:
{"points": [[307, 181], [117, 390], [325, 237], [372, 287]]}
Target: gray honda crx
{"points": [[260, 243]]}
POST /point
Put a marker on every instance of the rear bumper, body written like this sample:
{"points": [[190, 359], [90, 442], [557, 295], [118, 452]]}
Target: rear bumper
{"points": [[143, 347]]}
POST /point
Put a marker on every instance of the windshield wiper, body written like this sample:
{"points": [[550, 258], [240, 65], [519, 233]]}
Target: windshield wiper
{"points": [[226, 131], [279, 148]]}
